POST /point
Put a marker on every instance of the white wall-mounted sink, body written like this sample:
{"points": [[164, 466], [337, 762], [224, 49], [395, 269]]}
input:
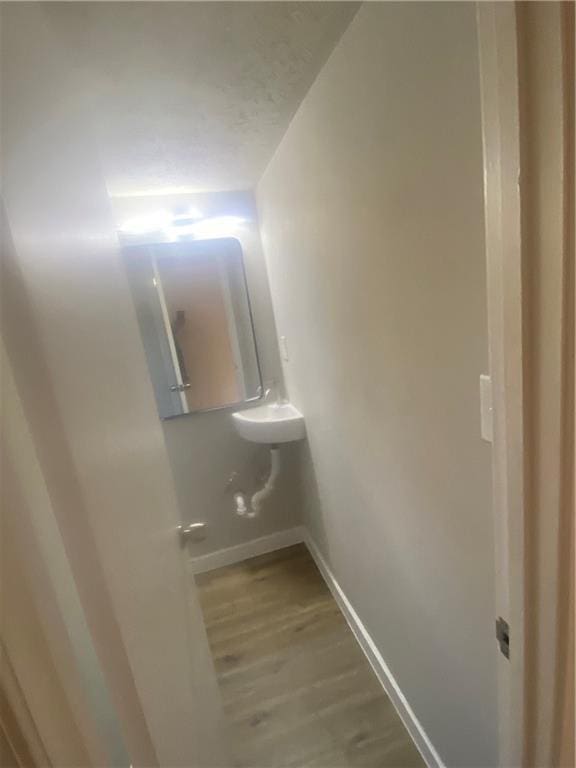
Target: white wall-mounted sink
{"points": [[274, 423]]}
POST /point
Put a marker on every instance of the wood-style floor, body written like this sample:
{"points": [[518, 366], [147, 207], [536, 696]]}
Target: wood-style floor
{"points": [[297, 689]]}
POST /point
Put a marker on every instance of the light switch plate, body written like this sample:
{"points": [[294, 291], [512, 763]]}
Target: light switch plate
{"points": [[284, 348], [486, 408]]}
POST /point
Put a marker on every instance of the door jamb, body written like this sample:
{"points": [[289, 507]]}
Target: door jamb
{"points": [[499, 85]]}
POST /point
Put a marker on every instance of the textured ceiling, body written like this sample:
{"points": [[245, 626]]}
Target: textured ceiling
{"points": [[195, 95]]}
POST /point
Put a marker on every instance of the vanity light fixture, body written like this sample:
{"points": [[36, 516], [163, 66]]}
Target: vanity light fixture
{"points": [[151, 222], [189, 224], [206, 229]]}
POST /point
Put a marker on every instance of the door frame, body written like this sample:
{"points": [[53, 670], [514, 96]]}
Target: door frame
{"points": [[529, 226], [497, 41]]}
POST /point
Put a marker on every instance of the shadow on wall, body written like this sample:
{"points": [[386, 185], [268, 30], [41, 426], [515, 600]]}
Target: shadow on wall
{"points": [[314, 512]]}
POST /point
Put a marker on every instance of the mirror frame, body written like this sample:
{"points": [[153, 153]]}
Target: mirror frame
{"points": [[127, 247]]}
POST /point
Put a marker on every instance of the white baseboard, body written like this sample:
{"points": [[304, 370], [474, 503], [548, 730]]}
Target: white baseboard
{"points": [[247, 549], [413, 726]]}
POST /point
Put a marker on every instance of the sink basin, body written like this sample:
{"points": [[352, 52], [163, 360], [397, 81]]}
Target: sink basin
{"points": [[275, 423]]}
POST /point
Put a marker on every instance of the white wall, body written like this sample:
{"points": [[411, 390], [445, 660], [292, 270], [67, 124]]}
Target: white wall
{"points": [[372, 223], [203, 448]]}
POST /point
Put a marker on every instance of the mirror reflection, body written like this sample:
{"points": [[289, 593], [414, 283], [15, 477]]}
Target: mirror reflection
{"points": [[194, 314]]}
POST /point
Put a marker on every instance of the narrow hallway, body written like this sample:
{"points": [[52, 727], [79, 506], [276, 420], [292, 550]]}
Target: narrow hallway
{"points": [[287, 384], [296, 687]]}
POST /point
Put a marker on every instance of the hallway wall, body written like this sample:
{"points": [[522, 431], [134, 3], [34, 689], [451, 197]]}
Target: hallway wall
{"points": [[372, 222]]}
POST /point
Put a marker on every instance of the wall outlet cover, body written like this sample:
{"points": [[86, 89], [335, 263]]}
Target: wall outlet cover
{"points": [[486, 408], [284, 349]]}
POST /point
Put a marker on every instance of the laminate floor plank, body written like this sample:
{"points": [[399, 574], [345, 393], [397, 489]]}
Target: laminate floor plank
{"points": [[296, 687]]}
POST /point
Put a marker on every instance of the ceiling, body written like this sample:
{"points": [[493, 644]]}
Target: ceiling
{"points": [[195, 95]]}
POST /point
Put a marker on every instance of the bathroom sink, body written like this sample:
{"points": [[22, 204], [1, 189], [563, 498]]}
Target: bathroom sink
{"points": [[274, 423]]}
